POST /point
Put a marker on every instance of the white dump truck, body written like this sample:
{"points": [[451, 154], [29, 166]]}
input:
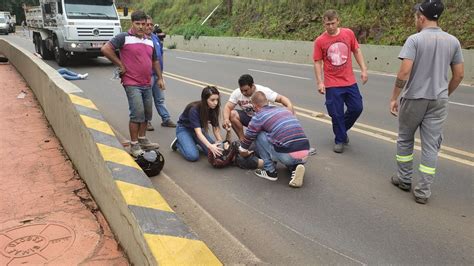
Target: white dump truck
{"points": [[64, 29]]}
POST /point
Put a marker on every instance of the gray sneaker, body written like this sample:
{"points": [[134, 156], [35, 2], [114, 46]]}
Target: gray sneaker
{"points": [[149, 127], [147, 145], [420, 200], [136, 150], [168, 123], [398, 183], [339, 148], [297, 176]]}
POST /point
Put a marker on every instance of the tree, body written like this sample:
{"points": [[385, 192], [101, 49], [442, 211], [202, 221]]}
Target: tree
{"points": [[15, 7], [229, 7]]}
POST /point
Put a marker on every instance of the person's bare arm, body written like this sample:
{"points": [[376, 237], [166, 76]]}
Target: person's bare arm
{"points": [[157, 69], [229, 106], [108, 50], [458, 75], [286, 102], [401, 81], [363, 68], [318, 73]]}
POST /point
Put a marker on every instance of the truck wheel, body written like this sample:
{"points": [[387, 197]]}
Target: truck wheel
{"points": [[36, 43], [59, 54], [45, 53]]}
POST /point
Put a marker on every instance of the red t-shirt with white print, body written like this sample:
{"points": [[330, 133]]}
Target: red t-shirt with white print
{"points": [[335, 51]]}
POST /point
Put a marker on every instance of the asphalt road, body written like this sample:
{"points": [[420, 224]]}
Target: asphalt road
{"points": [[347, 212]]}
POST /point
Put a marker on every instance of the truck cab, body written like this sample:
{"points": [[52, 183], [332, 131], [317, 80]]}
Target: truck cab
{"points": [[63, 29]]}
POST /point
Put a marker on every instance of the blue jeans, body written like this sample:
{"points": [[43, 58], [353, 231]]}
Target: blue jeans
{"points": [[188, 143], [159, 98], [140, 103], [343, 121], [267, 153], [68, 74]]}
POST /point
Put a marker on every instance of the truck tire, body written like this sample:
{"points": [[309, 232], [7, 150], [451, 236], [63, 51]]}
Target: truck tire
{"points": [[36, 42], [59, 54], [45, 53]]}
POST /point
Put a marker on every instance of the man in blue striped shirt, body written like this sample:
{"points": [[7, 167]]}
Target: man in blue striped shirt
{"points": [[278, 135]]}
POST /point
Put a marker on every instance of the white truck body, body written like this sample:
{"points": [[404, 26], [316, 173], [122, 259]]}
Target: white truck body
{"points": [[63, 29]]}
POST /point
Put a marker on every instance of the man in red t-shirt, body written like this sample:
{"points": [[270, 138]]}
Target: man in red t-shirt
{"points": [[332, 49]]}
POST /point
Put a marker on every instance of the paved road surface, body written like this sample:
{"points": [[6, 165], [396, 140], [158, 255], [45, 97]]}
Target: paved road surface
{"points": [[347, 212]]}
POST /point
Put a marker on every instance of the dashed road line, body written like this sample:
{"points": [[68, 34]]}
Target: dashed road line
{"points": [[190, 59], [279, 74]]}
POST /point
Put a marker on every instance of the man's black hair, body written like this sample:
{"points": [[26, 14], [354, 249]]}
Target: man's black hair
{"points": [[245, 79], [138, 15]]}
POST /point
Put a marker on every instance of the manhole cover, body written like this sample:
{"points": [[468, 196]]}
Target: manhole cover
{"points": [[35, 243]]}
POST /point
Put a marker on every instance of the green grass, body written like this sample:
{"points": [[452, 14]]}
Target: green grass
{"points": [[383, 22]]}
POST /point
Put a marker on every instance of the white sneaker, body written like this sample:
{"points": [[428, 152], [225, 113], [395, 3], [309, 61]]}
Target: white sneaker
{"points": [[297, 176], [136, 150], [84, 76]]}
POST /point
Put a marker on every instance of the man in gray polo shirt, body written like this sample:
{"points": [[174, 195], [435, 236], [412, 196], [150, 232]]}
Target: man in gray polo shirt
{"points": [[426, 58]]}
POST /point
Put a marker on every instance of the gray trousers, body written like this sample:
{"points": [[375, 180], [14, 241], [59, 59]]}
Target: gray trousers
{"points": [[429, 116]]}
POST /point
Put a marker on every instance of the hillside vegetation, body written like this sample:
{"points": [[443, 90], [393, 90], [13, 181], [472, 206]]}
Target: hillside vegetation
{"points": [[384, 22]]}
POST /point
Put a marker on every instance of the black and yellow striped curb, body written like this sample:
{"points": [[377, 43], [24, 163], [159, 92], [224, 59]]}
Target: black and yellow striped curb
{"points": [[168, 238]]}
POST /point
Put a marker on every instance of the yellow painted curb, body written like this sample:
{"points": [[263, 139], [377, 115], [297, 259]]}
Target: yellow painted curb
{"points": [[144, 197], [169, 250]]}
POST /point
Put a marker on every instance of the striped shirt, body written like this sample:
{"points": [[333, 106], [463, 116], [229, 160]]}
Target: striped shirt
{"points": [[282, 128], [137, 55]]}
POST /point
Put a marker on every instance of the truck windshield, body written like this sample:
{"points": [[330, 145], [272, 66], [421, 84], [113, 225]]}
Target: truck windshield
{"points": [[90, 9], [2, 20]]}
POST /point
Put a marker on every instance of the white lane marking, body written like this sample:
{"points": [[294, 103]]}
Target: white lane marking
{"points": [[273, 73], [298, 64], [298, 232], [462, 104], [189, 59]]}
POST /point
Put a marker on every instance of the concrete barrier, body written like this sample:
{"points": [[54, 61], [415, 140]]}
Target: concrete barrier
{"points": [[379, 58], [145, 225]]}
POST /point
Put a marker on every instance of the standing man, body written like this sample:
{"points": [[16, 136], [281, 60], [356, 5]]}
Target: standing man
{"points": [[242, 97], [158, 93], [426, 58], [278, 135], [137, 57], [333, 50]]}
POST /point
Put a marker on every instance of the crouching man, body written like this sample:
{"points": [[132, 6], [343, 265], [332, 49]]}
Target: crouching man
{"points": [[278, 135]]}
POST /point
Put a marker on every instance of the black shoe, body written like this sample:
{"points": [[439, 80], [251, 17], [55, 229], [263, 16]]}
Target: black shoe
{"points": [[168, 123], [272, 176], [173, 144], [401, 185]]}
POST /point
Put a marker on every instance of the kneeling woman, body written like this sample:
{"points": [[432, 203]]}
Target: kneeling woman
{"points": [[193, 126]]}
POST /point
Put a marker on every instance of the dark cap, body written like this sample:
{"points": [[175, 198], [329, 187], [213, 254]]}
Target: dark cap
{"points": [[431, 9]]}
